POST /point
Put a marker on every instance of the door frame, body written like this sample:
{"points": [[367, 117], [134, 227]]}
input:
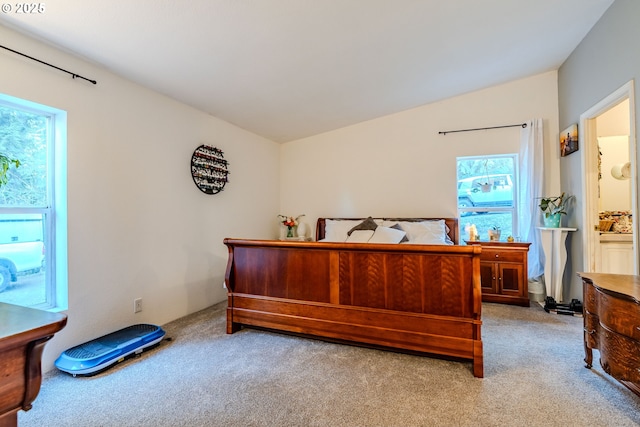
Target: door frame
{"points": [[588, 139]]}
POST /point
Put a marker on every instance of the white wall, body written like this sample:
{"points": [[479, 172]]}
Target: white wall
{"points": [[613, 138], [615, 194], [399, 165], [615, 121], [138, 226]]}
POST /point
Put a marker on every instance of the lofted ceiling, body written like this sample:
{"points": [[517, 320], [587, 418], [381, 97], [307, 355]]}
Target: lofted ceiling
{"points": [[288, 69]]}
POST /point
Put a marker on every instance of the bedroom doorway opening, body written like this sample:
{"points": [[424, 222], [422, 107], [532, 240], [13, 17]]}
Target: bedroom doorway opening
{"points": [[609, 161]]}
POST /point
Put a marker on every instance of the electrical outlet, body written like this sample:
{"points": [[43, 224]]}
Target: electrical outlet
{"points": [[137, 305]]}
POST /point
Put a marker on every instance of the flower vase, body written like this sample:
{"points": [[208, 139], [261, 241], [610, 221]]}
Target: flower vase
{"points": [[552, 221], [290, 231]]}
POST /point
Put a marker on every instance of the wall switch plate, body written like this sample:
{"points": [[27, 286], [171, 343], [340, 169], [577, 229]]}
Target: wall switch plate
{"points": [[137, 305]]}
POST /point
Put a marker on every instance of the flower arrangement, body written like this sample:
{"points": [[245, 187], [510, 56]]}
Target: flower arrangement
{"points": [[289, 222]]}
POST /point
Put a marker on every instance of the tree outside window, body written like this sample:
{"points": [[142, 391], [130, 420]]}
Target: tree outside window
{"points": [[27, 204]]}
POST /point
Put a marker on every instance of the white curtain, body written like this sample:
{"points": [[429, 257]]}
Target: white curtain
{"points": [[531, 167]]}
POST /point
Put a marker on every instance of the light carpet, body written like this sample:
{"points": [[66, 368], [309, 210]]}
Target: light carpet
{"points": [[533, 364]]}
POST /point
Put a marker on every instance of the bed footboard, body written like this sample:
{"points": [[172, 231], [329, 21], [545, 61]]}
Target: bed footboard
{"points": [[420, 298]]}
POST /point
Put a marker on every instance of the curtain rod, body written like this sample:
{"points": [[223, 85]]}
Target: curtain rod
{"points": [[74, 75], [524, 125]]}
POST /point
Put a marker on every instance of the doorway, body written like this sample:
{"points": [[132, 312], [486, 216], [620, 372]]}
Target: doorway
{"points": [[610, 250]]}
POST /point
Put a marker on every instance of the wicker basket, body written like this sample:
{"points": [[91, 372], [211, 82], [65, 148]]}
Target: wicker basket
{"points": [[605, 224]]}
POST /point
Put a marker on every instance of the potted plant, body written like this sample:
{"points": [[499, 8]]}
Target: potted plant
{"points": [[494, 233], [554, 208], [485, 186]]}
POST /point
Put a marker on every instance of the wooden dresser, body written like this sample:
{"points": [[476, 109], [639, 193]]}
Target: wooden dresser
{"points": [[503, 272], [23, 334], [612, 325]]}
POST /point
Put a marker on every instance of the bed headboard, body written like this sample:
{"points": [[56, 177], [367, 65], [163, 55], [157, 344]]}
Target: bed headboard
{"points": [[451, 223]]}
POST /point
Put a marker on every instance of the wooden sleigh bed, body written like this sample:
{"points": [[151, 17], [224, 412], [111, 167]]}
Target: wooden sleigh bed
{"points": [[407, 297]]}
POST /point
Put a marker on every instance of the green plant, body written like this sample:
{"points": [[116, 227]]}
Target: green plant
{"points": [[494, 233], [555, 205], [5, 164]]}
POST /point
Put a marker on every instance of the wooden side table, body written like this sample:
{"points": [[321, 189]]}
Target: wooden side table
{"points": [[23, 335], [503, 272]]}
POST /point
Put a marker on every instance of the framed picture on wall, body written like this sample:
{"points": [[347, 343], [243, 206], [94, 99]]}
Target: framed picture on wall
{"points": [[569, 140]]}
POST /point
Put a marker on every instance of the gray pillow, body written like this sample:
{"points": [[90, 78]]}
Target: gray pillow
{"points": [[397, 227], [367, 224]]}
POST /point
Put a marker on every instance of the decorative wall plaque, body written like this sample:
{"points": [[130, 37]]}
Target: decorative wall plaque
{"points": [[209, 169]]}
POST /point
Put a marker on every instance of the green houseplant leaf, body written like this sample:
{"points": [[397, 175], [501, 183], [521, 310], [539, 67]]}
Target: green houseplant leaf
{"points": [[555, 205], [5, 164]]}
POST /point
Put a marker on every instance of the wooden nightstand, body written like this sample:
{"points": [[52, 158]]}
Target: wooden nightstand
{"points": [[503, 272]]}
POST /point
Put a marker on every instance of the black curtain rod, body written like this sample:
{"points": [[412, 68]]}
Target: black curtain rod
{"points": [[523, 125], [74, 75]]}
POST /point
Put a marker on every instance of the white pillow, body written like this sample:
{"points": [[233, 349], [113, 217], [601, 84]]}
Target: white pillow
{"points": [[426, 232], [336, 230], [360, 236], [387, 235]]}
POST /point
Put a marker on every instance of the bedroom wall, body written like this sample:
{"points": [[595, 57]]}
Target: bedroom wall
{"points": [[605, 60], [398, 165], [138, 226]]}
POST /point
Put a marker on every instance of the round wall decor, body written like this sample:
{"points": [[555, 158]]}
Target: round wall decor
{"points": [[209, 169]]}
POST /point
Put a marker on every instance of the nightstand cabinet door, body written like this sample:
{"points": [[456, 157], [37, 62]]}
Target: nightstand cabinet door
{"points": [[488, 278], [510, 279], [503, 272]]}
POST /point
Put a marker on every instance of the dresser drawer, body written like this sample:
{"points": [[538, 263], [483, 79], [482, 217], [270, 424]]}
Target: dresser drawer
{"points": [[612, 324], [620, 356], [590, 298], [591, 330], [502, 256], [619, 315]]}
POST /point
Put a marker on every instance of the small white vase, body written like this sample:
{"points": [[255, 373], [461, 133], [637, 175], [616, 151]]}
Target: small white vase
{"points": [[302, 229]]}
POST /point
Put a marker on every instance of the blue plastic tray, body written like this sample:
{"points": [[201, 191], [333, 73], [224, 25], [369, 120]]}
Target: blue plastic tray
{"points": [[101, 353]]}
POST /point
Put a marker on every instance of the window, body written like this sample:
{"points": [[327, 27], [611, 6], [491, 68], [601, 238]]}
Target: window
{"points": [[33, 205], [487, 191]]}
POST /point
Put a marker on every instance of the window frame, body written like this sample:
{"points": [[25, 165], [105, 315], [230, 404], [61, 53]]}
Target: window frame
{"points": [[495, 209], [54, 212]]}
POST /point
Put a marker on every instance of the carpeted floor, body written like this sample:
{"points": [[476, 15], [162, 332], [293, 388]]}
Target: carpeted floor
{"points": [[534, 376]]}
